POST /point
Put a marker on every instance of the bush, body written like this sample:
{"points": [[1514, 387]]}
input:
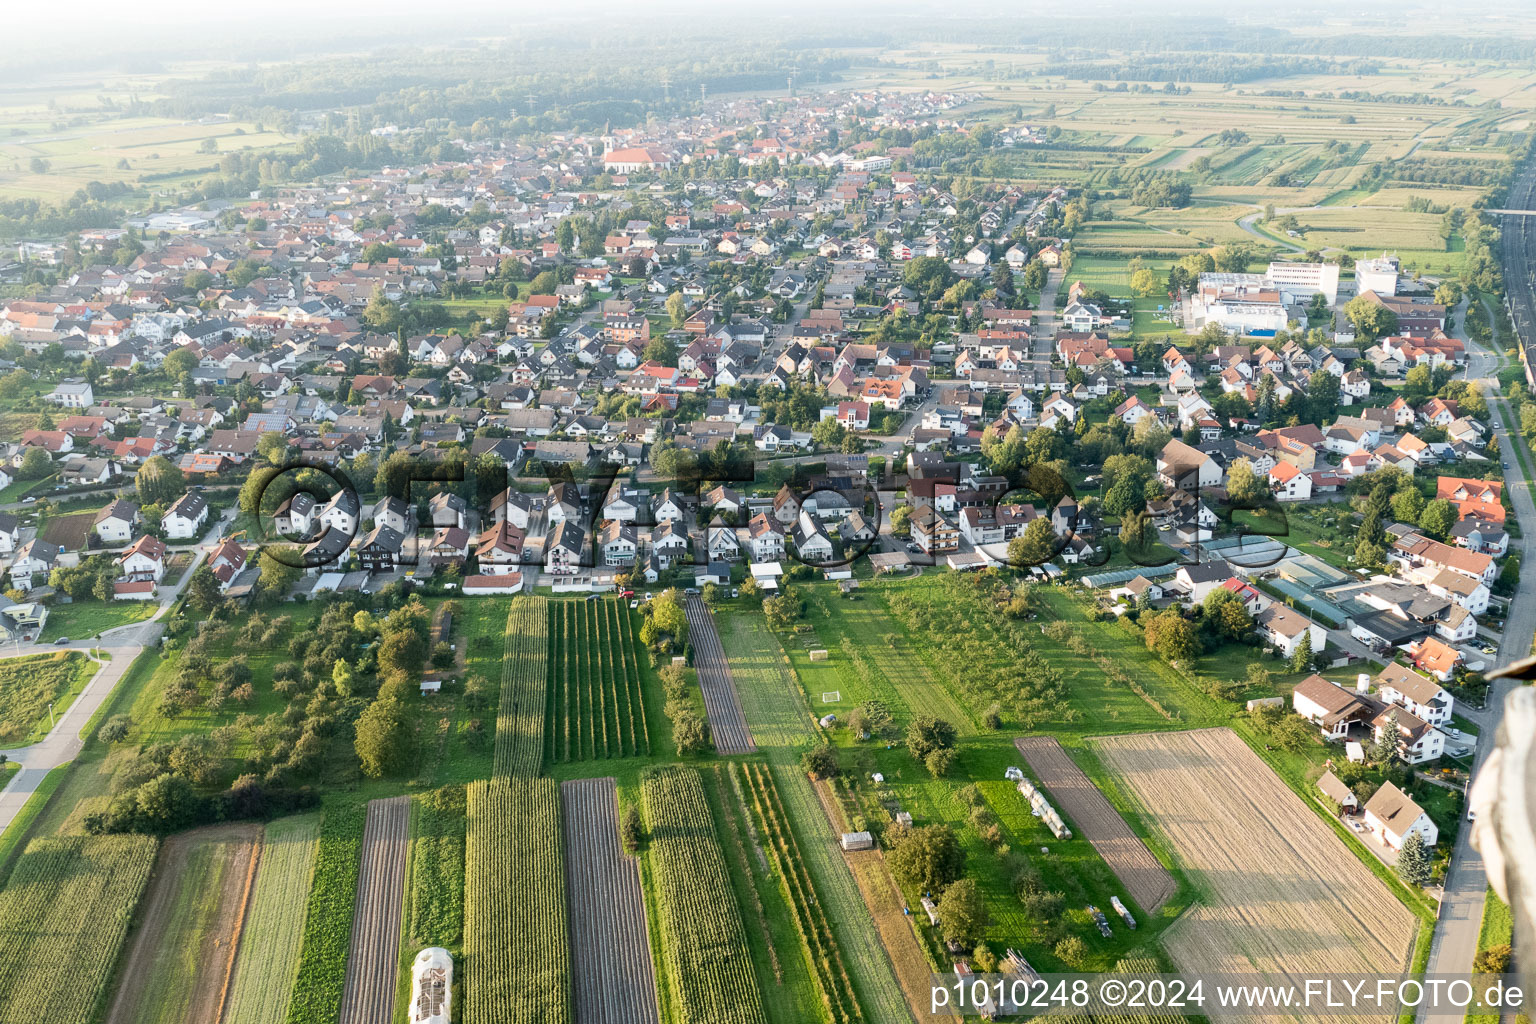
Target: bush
{"points": [[820, 763]]}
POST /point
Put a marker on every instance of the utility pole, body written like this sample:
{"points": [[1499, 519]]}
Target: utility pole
{"points": [[794, 69], [703, 92], [530, 104], [50, 716], [666, 87]]}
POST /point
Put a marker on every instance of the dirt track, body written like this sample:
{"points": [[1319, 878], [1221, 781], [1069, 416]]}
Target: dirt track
{"points": [[152, 977], [727, 724], [374, 960], [1096, 819]]}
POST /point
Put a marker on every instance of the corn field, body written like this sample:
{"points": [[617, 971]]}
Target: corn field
{"points": [[594, 705], [520, 713], [63, 918], [825, 957], [706, 946], [516, 944]]}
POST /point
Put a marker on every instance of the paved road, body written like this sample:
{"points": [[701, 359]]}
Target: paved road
{"points": [[1466, 885], [123, 644]]}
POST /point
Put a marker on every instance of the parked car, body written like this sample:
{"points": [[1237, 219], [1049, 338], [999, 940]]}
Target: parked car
{"points": [[61, 641]]}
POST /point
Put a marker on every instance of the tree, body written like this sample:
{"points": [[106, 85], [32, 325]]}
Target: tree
{"points": [[16, 383], [631, 832], [35, 464], [962, 912], [1225, 612], [1301, 657], [1438, 517], [878, 719], [272, 446], [1037, 545], [382, 314], [927, 858], [677, 308], [1172, 636], [159, 482], [901, 520], [1144, 284], [820, 762], [1408, 505], [203, 589], [1072, 951], [1372, 320], [926, 734], [1494, 959], [1384, 746], [383, 740], [1413, 865], [114, 729], [1244, 485]]}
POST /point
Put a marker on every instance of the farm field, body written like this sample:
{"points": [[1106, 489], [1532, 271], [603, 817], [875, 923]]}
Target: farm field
{"points": [[614, 979], [322, 969], [267, 962], [705, 943], [595, 707], [516, 939], [1281, 894], [29, 684], [434, 884], [63, 917], [777, 713], [179, 961], [1148, 882], [727, 726], [816, 933], [520, 712], [369, 993]]}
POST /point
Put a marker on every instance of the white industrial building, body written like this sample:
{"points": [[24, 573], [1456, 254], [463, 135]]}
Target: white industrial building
{"points": [[1298, 282], [1377, 275]]}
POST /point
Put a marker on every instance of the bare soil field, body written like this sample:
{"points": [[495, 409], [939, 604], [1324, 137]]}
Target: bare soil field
{"points": [[1282, 895], [369, 996], [1096, 819], [727, 724], [614, 978], [180, 959]]}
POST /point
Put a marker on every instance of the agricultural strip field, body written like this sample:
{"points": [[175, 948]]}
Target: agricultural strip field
{"points": [[594, 705], [520, 711], [179, 962], [1148, 882], [268, 957], [322, 970], [706, 950], [1281, 893], [615, 982], [726, 723], [516, 943], [63, 917], [825, 956], [781, 721], [369, 995]]}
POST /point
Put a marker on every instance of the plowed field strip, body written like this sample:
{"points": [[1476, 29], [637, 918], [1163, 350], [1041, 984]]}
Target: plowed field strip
{"points": [[1143, 876], [369, 996], [614, 981], [726, 722]]}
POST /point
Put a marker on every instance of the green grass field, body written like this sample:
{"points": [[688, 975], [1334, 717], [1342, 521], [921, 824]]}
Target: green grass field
{"points": [[29, 685], [82, 620], [268, 961]]}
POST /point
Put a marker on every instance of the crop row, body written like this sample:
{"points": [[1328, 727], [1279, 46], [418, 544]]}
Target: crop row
{"points": [[268, 960], [516, 940], [520, 712], [706, 946], [63, 918], [328, 919], [594, 705], [821, 946], [435, 898]]}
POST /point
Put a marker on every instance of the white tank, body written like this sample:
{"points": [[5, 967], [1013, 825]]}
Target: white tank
{"points": [[432, 986]]}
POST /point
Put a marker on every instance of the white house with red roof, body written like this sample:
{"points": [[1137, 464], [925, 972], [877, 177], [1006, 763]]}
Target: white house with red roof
{"points": [[1288, 483]]}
